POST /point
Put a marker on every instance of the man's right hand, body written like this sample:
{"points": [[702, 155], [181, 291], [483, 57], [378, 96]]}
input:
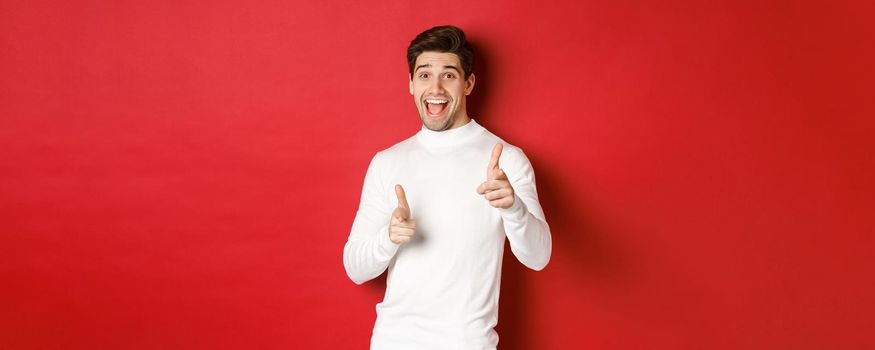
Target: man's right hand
{"points": [[402, 227]]}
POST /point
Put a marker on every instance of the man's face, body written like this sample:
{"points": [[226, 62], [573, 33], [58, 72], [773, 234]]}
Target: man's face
{"points": [[439, 87]]}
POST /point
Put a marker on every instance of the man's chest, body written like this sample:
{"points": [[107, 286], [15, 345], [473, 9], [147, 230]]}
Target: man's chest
{"points": [[443, 198]]}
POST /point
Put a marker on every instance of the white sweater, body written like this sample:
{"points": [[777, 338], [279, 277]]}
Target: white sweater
{"points": [[443, 286]]}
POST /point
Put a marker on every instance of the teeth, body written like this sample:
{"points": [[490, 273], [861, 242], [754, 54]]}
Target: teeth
{"points": [[435, 102]]}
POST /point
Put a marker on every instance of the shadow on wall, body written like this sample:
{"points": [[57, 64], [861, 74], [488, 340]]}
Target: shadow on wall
{"points": [[476, 102], [580, 243], [583, 248]]}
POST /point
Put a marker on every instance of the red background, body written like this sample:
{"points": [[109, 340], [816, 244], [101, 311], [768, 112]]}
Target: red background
{"points": [[183, 175]]}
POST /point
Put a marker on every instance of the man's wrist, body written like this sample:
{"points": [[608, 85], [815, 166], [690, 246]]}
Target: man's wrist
{"points": [[515, 212], [385, 247]]}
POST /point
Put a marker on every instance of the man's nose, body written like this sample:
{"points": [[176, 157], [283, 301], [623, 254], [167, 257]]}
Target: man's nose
{"points": [[437, 86]]}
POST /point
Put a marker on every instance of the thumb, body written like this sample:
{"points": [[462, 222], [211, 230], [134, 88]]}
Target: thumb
{"points": [[402, 197]]}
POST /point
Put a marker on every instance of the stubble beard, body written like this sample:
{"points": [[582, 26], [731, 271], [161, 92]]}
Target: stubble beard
{"points": [[441, 126]]}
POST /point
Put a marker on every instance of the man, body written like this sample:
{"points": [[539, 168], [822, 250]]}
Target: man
{"points": [[441, 236]]}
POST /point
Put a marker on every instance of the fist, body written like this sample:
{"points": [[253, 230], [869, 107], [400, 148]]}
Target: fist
{"points": [[496, 189], [402, 227]]}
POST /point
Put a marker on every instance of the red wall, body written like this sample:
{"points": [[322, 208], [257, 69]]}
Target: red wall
{"points": [[183, 175]]}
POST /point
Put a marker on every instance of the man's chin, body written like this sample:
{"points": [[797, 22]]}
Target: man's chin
{"points": [[436, 124]]}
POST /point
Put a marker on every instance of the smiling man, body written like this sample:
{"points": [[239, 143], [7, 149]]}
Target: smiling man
{"points": [[436, 209]]}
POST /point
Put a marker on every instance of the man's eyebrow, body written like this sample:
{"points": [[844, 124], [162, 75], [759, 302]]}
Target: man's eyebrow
{"points": [[427, 65], [454, 67]]}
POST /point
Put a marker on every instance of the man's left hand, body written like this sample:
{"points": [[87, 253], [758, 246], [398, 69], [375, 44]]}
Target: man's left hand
{"points": [[496, 189]]}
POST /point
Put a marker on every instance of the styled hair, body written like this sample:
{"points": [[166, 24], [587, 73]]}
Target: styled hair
{"points": [[447, 39]]}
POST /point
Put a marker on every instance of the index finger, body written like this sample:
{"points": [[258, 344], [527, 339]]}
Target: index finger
{"points": [[402, 197], [496, 153]]}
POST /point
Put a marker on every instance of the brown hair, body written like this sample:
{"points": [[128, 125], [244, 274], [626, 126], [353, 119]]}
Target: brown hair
{"points": [[442, 39]]}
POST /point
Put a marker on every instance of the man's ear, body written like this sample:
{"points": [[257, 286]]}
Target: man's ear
{"points": [[410, 79], [469, 84]]}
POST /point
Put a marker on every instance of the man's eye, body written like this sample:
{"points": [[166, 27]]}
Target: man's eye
{"points": [[449, 76], [424, 75]]}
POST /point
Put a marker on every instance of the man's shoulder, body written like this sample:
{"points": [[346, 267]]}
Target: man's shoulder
{"points": [[393, 152], [509, 150], [513, 160], [399, 147]]}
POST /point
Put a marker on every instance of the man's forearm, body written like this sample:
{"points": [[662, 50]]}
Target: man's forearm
{"points": [[366, 257], [529, 236]]}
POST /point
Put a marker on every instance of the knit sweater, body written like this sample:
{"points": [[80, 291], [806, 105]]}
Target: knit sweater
{"points": [[442, 287]]}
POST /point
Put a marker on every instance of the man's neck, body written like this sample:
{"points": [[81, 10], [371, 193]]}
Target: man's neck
{"points": [[461, 121]]}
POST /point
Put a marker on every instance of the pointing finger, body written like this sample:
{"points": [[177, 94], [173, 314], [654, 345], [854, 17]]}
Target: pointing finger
{"points": [[496, 153], [402, 197]]}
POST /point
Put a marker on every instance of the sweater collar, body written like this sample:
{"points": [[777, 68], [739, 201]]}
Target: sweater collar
{"points": [[448, 138]]}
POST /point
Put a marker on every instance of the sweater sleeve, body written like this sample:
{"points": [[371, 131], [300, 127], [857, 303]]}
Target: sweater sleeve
{"points": [[368, 250], [524, 222]]}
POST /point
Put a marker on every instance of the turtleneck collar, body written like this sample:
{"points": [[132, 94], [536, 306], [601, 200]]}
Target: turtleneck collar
{"points": [[448, 138]]}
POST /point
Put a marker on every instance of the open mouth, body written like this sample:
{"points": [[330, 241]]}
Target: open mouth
{"points": [[435, 107]]}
